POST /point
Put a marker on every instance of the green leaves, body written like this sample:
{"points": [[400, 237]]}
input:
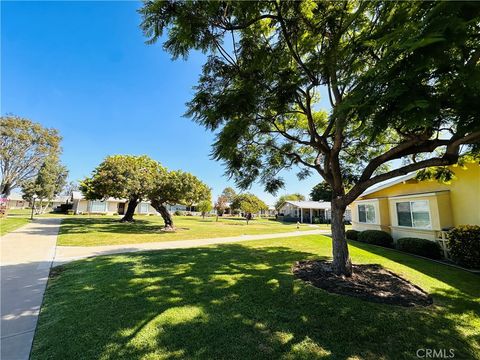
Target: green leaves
{"points": [[123, 177], [248, 203], [24, 148]]}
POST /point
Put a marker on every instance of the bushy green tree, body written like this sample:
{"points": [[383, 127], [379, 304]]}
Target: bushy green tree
{"points": [[24, 148], [281, 200], [204, 206], [321, 192], [49, 182], [248, 204], [402, 79], [124, 177], [176, 187]]}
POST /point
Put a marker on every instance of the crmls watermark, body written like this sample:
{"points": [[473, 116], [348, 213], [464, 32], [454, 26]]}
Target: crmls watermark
{"points": [[435, 353]]}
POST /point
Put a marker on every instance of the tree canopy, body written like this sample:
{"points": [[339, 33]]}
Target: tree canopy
{"points": [[24, 148], [124, 177], [283, 198], [176, 187], [49, 182], [402, 80], [229, 194], [249, 204], [321, 192], [204, 207]]}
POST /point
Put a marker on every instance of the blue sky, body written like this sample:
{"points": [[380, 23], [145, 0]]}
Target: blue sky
{"points": [[83, 68]]}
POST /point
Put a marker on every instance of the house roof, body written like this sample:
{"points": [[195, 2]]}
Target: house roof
{"points": [[77, 195], [387, 183], [310, 204], [15, 197]]}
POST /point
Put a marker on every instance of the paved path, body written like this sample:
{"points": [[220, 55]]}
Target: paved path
{"points": [[26, 257], [66, 254]]}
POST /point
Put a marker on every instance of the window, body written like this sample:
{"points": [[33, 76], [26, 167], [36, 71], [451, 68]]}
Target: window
{"points": [[413, 214], [144, 208], [98, 206], [366, 213]]}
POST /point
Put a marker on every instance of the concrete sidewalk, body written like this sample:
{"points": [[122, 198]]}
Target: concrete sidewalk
{"points": [[66, 254], [26, 257]]}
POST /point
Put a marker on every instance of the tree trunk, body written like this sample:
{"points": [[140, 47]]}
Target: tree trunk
{"points": [[5, 189], [342, 264], [164, 213], [132, 205]]}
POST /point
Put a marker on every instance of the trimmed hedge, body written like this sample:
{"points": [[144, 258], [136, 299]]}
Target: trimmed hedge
{"points": [[376, 237], [420, 247], [464, 245], [352, 234]]}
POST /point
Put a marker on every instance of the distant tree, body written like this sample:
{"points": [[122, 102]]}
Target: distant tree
{"points": [[221, 204], [70, 188], [124, 177], [229, 194], [402, 79], [49, 182], [249, 204], [24, 148], [204, 206], [321, 192], [176, 187], [283, 198]]}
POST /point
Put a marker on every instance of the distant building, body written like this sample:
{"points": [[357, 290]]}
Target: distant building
{"points": [[308, 211]]}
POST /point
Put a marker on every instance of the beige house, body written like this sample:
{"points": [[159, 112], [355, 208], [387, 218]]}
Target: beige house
{"points": [[109, 206]]}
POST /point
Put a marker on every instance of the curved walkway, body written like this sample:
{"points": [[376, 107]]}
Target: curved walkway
{"points": [[66, 254]]}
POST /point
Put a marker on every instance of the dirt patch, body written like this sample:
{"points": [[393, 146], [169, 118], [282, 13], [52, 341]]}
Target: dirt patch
{"points": [[368, 282], [56, 271]]}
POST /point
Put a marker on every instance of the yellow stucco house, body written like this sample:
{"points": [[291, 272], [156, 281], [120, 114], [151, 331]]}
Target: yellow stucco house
{"points": [[406, 207]]}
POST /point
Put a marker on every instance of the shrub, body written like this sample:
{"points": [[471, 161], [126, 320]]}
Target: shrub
{"points": [[178, 213], [420, 247], [376, 237], [352, 234], [70, 212], [464, 245]]}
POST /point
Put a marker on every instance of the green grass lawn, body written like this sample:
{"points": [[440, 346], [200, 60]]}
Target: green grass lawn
{"points": [[240, 301], [107, 230], [15, 218]]}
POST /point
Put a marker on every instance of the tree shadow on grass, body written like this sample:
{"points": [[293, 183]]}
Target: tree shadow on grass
{"points": [[224, 302], [109, 225]]}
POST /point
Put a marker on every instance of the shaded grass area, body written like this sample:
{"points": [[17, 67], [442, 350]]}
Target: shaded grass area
{"points": [[106, 230], [240, 301], [14, 219]]}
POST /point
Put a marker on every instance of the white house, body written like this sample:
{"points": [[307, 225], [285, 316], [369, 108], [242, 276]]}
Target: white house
{"points": [[108, 206], [308, 211]]}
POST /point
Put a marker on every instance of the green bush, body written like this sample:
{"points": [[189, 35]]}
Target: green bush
{"points": [[464, 245], [352, 234], [420, 247], [70, 212], [178, 213], [376, 237]]}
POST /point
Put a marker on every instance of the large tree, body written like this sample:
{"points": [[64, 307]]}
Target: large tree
{"points": [[229, 193], [321, 192], [124, 177], [176, 187], [248, 204], [281, 200], [49, 182], [402, 80], [24, 147]]}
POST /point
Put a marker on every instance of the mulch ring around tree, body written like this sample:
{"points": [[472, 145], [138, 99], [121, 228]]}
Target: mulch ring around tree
{"points": [[369, 282]]}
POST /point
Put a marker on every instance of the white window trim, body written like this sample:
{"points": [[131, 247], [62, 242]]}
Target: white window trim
{"points": [[374, 213], [98, 211], [429, 227]]}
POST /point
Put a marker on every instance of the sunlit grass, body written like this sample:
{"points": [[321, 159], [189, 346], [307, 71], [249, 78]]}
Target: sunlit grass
{"points": [[107, 230], [240, 301]]}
